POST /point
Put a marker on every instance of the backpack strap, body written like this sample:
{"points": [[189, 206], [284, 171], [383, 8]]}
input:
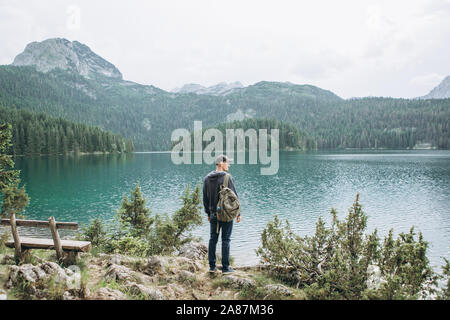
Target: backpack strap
{"points": [[225, 180]]}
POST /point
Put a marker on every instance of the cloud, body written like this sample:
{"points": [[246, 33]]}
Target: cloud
{"points": [[320, 65], [423, 84], [427, 80], [381, 31], [358, 48], [436, 8]]}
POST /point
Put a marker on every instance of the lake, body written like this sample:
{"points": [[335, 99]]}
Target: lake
{"points": [[397, 189]]}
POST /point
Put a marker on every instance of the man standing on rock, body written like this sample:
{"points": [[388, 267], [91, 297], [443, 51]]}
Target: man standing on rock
{"points": [[211, 185]]}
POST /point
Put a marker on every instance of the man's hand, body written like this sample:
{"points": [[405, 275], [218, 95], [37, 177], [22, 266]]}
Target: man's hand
{"points": [[238, 219], [209, 219]]}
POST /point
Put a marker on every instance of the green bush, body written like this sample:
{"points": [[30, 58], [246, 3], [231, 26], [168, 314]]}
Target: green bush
{"points": [[141, 234], [95, 233], [3, 239], [341, 262], [405, 268], [14, 198], [130, 245], [445, 291], [170, 233], [133, 215]]}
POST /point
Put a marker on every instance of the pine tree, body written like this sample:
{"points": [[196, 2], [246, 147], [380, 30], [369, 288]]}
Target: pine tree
{"points": [[14, 199], [133, 214], [129, 146]]}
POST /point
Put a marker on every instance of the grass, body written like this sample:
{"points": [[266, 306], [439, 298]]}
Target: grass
{"points": [[220, 282], [164, 281], [3, 238], [3, 274], [49, 288], [117, 285], [95, 251]]}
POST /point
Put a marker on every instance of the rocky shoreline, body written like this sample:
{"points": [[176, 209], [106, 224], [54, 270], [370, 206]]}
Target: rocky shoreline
{"points": [[101, 276]]}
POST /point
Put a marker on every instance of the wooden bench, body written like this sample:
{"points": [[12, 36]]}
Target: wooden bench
{"points": [[66, 250]]}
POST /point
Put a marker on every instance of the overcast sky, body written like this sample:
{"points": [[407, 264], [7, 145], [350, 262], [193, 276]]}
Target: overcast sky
{"points": [[353, 48]]}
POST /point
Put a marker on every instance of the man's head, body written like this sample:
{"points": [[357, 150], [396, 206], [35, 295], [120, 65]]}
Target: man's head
{"points": [[222, 162]]}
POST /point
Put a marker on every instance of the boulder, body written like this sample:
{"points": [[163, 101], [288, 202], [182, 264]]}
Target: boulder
{"points": [[278, 289], [61, 275], [117, 272], [176, 288], [32, 274], [153, 266], [68, 296], [240, 282], [375, 278], [123, 260], [110, 294], [8, 259], [194, 250], [186, 275], [148, 292], [189, 264]]}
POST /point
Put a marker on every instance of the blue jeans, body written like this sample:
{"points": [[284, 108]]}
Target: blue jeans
{"points": [[226, 228]]}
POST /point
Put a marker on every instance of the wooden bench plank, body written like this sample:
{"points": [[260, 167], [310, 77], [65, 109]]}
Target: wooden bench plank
{"points": [[37, 243], [40, 224]]}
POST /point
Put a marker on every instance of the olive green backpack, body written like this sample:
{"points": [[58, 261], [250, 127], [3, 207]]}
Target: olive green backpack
{"points": [[228, 204]]}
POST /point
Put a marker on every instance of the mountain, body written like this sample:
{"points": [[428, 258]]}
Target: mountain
{"points": [[219, 89], [64, 54], [442, 91], [96, 95]]}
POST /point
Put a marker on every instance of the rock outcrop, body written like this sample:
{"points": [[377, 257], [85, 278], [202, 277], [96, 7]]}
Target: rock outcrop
{"points": [[109, 294], [194, 250], [67, 55], [148, 293], [34, 280], [278, 289], [220, 89], [31, 274], [442, 91], [237, 282], [117, 272], [120, 277]]}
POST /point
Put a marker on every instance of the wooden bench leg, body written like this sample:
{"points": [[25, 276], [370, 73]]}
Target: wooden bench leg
{"points": [[17, 245], [56, 238], [70, 257]]}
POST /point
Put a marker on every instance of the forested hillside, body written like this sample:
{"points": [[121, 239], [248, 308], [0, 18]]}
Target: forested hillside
{"points": [[385, 123], [40, 134], [290, 138], [148, 115]]}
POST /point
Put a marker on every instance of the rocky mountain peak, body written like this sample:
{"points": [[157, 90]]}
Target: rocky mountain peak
{"points": [[442, 91], [219, 89], [67, 55]]}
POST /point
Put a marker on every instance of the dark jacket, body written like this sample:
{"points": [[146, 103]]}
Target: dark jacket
{"points": [[211, 184]]}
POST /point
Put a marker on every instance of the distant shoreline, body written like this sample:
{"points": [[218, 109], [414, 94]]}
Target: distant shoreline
{"points": [[286, 150], [72, 153]]}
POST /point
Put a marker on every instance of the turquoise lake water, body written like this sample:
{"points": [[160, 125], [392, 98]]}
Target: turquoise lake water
{"points": [[397, 189]]}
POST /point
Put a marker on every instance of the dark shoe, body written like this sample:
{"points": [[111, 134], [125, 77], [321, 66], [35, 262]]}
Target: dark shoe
{"points": [[213, 270], [227, 271]]}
